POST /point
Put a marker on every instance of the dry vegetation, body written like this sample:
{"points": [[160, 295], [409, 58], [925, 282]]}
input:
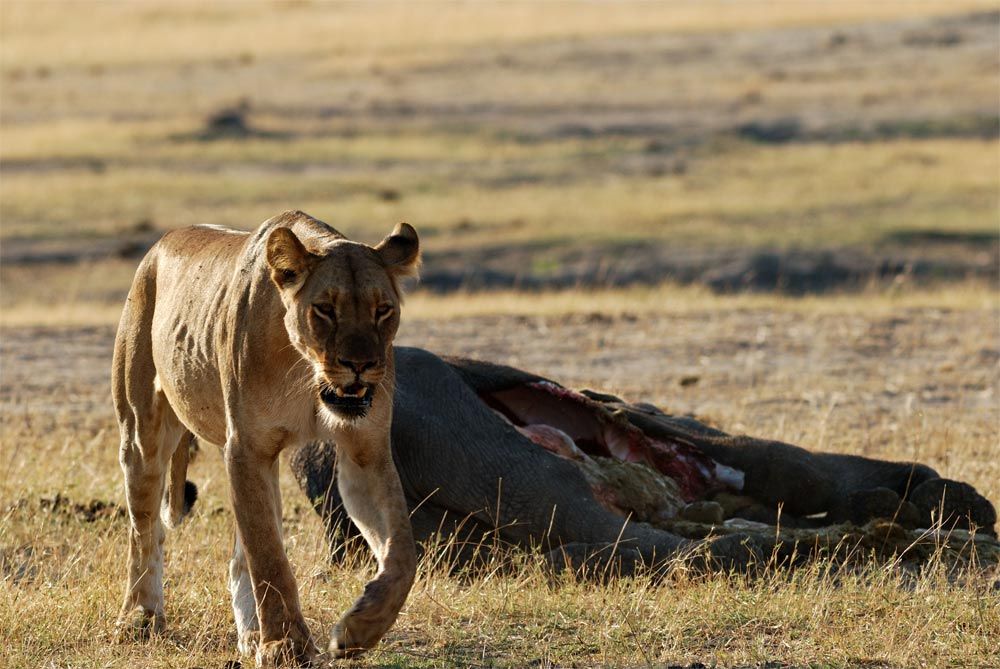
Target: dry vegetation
{"points": [[881, 376], [491, 126], [480, 130], [731, 195]]}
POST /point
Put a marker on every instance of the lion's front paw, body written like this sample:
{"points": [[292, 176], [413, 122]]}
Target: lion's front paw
{"points": [[352, 636], [139, 624], [286, 652]]}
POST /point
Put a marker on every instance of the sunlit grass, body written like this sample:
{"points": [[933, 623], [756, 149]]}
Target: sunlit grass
{"points": [[356, 35], [61, 576], [670, 298], [63, 611], [737, 194], [96, 293]]}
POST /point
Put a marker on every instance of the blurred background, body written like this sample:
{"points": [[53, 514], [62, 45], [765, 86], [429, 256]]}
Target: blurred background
{"points": [[789, 146], [781, 217]]}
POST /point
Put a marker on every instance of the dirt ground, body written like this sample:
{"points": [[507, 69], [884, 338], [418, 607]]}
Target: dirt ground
{"points": [[901, 385]]}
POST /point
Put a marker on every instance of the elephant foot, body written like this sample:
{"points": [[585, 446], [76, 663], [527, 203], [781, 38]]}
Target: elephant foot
{"points": [[739, 553]]}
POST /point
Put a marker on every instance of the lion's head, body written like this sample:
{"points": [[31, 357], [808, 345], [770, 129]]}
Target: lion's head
{"points": [[342, 310]]}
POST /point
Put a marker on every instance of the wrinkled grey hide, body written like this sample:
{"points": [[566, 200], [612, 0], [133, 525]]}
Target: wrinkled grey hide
{"points": [[469, 474]]}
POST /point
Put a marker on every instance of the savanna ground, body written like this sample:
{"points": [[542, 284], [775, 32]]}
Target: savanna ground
{"points": [[532, 145]]}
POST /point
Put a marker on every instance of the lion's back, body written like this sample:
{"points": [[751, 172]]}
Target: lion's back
{"points": [[194, 272]]}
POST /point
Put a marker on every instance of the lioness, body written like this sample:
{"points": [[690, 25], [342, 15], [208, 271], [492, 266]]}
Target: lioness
{"points": [[255, 342]]}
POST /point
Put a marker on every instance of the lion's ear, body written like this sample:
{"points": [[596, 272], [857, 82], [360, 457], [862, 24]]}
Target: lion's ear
{"points": [[288, 259], [400, 251]]}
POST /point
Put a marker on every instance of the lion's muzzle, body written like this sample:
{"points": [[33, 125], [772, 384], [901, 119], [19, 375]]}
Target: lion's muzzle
{"points": [[351, 401]]}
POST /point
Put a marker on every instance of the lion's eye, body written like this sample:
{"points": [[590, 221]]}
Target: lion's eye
{"points": [[325, 310], [382, 312]]}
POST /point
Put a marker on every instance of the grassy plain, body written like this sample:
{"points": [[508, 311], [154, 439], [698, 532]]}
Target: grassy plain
{"points": [[813, 195], [514, 125], [477, 129], [907, 377]]}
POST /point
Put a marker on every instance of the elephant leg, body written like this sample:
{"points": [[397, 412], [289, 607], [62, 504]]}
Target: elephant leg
{"points": [[463, 540], [315, 469], [741, 553]]}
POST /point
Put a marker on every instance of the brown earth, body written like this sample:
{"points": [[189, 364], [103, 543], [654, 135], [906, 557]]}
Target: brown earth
{"points": [[921, 383]]}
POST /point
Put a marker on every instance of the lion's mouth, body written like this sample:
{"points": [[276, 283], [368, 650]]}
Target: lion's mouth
{"points": [[352, 401]]}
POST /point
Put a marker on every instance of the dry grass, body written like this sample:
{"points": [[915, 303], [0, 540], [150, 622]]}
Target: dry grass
{"points": [[61, 615], [889, 376], [102, 103], [850, 194], [96, 292], [97, 134], [356, 35]]}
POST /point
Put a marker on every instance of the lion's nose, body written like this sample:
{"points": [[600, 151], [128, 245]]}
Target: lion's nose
{"points": [[357, 366]]}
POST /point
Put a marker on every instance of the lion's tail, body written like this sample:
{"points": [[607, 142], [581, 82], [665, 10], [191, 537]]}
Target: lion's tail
{"points": [[180, 493]]}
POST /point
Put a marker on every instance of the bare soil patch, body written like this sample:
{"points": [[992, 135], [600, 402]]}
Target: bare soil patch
{"points": [[834, 381]]}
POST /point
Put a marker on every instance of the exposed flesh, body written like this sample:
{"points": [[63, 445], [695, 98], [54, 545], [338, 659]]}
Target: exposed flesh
{"points": [[652, 481], [630, 472]]}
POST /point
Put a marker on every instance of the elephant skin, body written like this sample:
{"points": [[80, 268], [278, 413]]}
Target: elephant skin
{"points": [[491, 455]]}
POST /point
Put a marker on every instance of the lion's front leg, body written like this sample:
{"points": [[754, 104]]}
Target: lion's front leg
{"points": [[284, 636], [373, 497], [244, 604], [240, 585]]}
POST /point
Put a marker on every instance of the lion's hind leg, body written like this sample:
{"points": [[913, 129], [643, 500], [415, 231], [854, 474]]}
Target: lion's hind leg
{"points": [[144, 459], [180, 493], [150, 433]]}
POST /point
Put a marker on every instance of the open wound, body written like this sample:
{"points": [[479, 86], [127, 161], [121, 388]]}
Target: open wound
{"points": [[630, 472]]}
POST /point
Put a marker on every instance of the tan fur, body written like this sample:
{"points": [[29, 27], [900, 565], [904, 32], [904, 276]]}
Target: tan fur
{"points": [[250, 341]]}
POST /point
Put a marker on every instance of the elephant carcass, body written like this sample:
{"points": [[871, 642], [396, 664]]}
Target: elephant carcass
{"points": [[490, 455]]}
